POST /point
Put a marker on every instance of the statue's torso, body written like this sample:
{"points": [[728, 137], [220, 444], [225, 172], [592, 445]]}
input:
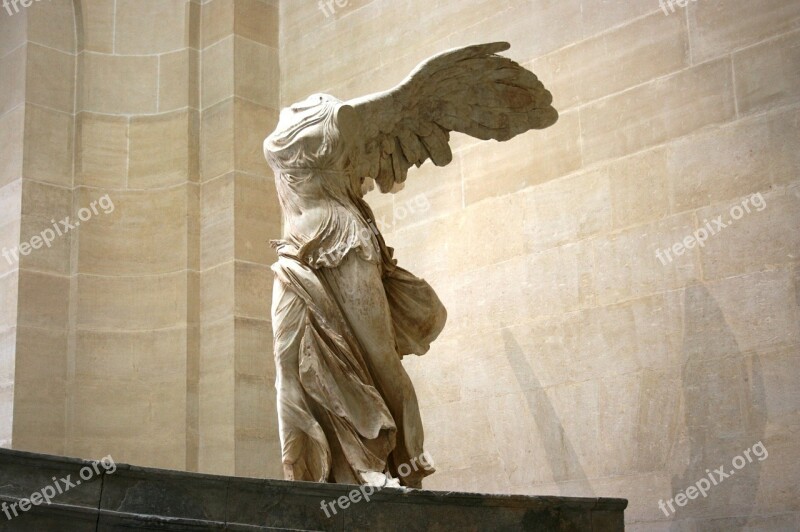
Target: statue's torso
{"points": [[324, 215]]}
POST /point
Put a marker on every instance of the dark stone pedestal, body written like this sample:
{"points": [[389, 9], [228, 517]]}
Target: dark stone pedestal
{"points": [[153, 499]]}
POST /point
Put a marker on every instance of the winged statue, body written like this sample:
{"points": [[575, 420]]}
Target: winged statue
{"points": [[344, 314]]}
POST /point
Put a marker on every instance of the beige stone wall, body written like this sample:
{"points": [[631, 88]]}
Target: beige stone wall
{"points": [[13, 34], [574, 361], [238, 215], [136, 142], [144, 333], [44, 123]]}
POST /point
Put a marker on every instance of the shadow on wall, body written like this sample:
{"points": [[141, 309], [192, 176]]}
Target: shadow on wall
{"points": [[561, 455], [724, 413], [724, 409]]}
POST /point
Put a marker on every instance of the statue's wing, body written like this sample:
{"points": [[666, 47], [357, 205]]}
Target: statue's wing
{"points": [[470, 90]]}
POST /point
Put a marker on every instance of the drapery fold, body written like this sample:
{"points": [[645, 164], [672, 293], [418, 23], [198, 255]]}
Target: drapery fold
{"points": [[335, 422]]}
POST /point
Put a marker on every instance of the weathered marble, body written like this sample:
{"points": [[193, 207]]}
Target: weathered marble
{"points": [[344, 313]]}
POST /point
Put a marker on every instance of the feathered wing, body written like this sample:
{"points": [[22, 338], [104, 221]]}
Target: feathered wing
{"points": [[470, 90]]}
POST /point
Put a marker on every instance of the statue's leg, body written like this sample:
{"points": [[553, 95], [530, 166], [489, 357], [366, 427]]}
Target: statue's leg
{"points": [[306, 455], [358, 288]]}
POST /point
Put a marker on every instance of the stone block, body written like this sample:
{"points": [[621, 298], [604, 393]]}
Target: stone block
{"points": [[658, 111], [763, 238], [640, 191], [759, 309], [718, 27], [133, 232], [39, 415], [218, 72], [251, 121], [723, 163], [12, 128], [256, 21], [52, 24], [496, 169], [472, 425], [102, 150], [11, 202], [13, 33], [131, 303], [257, 219], [626, 265], [177, 80], [767, 75], [254, 355], [10, 289], [217, 21], [256, 71], [256, 409], [217, 293], [611, 62], [253, 290], [12, 89], [148, 356], [43, 300], [150, 31], [567, 210], [48, 145], [98, 25], [490, 232], [159, 150], [216, 140], [41, 357], [50, 78], [116, 84]]}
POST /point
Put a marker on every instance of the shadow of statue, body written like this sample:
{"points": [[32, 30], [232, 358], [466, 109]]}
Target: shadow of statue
{"points": [[564, 461], [724, 413]]}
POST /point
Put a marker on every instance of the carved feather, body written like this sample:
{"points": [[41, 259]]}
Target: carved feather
{"points": [[470, 90]]}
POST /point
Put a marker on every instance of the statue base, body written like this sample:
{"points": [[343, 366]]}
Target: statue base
{"points": [[93, 498]]}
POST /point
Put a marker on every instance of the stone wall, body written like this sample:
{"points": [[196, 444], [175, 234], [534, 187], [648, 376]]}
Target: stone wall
{"points": [[13, 34], [43, 124], [575, 361], [144, 332], [238, 216], [136, 142]]}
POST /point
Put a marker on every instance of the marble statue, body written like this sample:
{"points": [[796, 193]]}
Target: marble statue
{"points": [[344, 313]]}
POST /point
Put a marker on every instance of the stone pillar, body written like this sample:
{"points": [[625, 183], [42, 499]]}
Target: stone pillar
{"points": [[13, 34], [143, 331], [134, 340], [44, 122], [239, 214]]}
